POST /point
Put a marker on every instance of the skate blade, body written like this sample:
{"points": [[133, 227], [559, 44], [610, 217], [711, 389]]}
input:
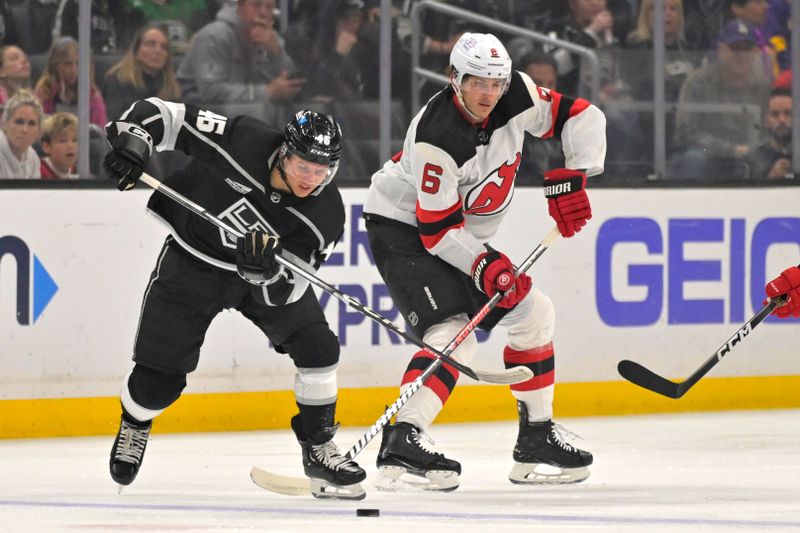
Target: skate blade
{"points": [[390, 479], [325, 490], [542, 474]]}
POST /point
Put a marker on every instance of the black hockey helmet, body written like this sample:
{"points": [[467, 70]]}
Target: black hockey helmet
{"points": [[315, 137]]}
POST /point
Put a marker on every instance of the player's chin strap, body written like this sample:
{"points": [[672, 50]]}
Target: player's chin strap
{"points": [[506, 376], [282, 173]]}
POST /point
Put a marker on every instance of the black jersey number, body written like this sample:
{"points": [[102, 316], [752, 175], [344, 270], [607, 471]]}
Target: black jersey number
{"points": [[431, 178], [209, 122]]}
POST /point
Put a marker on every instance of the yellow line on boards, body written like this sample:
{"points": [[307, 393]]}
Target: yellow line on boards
{"points": [[241, 411]]}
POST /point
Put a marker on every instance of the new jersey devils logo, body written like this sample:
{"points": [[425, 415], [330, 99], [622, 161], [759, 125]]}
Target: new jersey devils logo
{"points": [[493, 194]]}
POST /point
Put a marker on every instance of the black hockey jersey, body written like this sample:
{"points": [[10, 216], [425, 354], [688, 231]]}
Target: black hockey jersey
{"points": [[229, 177]]}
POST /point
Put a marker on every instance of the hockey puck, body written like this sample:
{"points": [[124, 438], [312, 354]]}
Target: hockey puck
{"points": [[368, 512]]}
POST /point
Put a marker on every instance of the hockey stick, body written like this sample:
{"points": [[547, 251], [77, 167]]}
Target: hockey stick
{"points": [[639, 375], [508, 376], [295, 486]]}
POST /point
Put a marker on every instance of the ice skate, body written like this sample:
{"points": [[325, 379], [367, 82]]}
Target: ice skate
{"points": [[127, 453], [543, 458], [402, 452], [331, 474]]}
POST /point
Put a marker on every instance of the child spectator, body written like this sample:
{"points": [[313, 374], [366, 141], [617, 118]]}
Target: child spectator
{"points": [[145, 70], [60, 143], [15, 71], [22, 122], [57, 88]]}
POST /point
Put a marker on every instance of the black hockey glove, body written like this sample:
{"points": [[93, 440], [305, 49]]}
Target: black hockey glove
{"points": [[255, 257], [131, 149]]}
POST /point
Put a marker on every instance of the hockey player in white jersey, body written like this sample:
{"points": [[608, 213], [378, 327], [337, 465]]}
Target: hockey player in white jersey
{"points": [[431, 214]]}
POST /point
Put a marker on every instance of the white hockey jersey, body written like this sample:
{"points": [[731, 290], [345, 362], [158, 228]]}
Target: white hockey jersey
{"points": [[454, 180]]}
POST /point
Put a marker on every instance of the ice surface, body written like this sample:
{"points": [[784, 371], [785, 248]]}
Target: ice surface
{"points": [[710, 471]]}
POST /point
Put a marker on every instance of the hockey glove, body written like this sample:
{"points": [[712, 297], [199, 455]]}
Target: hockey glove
{"points": [[494, 272], [131, 149], [567, 200], [255, 257], [787, 283]]}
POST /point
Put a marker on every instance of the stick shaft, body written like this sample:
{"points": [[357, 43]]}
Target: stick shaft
{"points": [[310, 276]]}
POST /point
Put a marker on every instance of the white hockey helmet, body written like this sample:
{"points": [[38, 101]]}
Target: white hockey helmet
{"points": [[479, 54]]}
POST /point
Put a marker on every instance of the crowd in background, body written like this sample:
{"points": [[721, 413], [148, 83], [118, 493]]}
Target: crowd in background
{"points": [[727, 74]]}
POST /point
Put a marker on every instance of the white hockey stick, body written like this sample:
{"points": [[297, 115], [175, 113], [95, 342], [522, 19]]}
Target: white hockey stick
{"points": [[296, 486], [504, 376]]}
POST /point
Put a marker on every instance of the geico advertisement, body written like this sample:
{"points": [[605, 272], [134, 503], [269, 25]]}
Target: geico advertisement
{"points": [[659, 276]]}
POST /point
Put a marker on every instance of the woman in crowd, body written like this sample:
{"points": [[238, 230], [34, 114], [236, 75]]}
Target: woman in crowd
{"points": [[57, 88], [22, 123], [146, 70], [15, 71], [679, 62]]}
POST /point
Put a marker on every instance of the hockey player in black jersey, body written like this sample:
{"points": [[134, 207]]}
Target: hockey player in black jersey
{"points": [[275, 188], [432, 213]]}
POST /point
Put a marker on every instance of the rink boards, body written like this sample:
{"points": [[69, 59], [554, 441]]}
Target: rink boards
{"points": [[660, 276]]}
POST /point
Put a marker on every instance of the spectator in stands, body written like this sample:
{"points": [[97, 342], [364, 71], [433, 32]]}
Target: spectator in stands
{"points": [[192, 14], [60, 145], [368, 52], [773, 158], [777, 31], [589, 23], [145, 71], [112, 24], [754, 12], [22, 122], [331, 59], [8, 26], [679, 63], [539, 155], [704, 21], [730, 80], [240, 58], [15, 71], [57, 88]]}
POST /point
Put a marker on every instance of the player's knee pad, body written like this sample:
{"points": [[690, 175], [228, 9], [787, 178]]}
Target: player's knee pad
{"points": [[534, 328], [314, 346], [440, 335], [147, 392], [315, 386]]}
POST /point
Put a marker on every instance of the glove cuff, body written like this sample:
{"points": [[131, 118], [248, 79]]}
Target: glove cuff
{"points": [[563, 181]]}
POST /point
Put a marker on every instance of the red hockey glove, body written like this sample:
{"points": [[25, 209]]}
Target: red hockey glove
{"points": [[567, 200], [494, 272], [787, 283]]}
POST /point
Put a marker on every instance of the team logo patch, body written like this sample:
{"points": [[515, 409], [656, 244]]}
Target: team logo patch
{"points": [[494, 193], [244, 217], [413, 319], [504, 279], [275, 197], [238, 187]]}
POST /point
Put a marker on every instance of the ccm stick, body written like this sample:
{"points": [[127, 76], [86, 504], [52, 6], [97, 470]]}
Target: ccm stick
{"points": [[507, 376], [639, 375], [296, 486]]}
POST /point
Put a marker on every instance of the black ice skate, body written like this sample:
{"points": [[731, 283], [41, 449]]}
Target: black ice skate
{"points": [[542, 457], [128, 451], [332, 474], [402, 452]]}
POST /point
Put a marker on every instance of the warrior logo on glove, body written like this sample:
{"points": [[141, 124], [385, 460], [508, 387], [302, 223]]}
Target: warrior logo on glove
{"points": [[567, 200]]}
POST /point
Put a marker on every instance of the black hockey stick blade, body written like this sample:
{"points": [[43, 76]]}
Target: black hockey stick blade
{"points": [[646, 378]]}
